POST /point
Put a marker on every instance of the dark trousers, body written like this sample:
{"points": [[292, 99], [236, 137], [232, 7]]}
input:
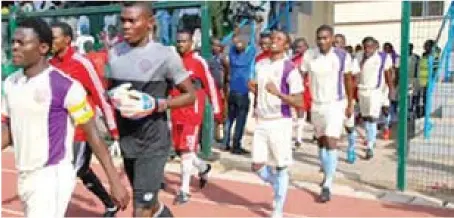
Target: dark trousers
{"points": [[237, 111], [416, 102], [82, 159]]}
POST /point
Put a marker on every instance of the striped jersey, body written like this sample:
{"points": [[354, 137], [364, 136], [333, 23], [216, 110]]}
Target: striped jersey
{"points": [[287, 79], [42, 112], [326, 73]]}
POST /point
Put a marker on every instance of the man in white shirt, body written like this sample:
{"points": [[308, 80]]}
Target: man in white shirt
{"points": [[330, 76], [374, 77], [340, 42], [40, 108], [279, 87]]}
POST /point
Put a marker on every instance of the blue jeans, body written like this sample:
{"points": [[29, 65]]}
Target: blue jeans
{"points": [[237, 111]]}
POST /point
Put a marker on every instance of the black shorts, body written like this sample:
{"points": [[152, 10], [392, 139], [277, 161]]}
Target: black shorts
{"points": [[145, 175]]}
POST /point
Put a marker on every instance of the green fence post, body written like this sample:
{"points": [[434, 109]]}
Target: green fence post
{"points": [[208, 122], [207, 130], [403, 101], [206, 26]]}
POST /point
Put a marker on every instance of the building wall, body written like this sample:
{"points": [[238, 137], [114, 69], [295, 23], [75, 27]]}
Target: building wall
{"points": [[356, 19], [308, 16]]}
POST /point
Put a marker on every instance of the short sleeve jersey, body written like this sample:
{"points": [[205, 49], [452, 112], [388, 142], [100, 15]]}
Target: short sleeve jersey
{"points": [[152, 69], [373, 69], [42, 112], [326, 72], [284, 74]]}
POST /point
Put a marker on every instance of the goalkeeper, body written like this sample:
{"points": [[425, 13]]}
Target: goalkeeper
{"points": [[150, 68]]}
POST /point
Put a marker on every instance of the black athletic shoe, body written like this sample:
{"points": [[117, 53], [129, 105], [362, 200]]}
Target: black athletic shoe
{"points": [[322, 183], [181, 198], [110, 212], [325, 195], [240, 151], [203, 177], [296, 145], [226, 148], [163, 186], [369, 154], [164, 211]]}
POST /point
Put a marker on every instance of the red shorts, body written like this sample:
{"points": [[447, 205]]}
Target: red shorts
{"points": [[185, 137], [307, 98], [192, 114]]}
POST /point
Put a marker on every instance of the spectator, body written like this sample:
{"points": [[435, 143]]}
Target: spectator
{"points": [[423, 77], [413, 72], [219, 68], [241, 56]]}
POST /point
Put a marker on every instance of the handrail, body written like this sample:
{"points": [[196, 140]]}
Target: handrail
{"points": [[434, 76], [105, 9]]}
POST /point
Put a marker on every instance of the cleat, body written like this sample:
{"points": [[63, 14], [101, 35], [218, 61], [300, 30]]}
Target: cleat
{"points": [[110, 212], [296, 145], [325, 195], [181, 198], [203, 177], [369, 154], [386, 134]]}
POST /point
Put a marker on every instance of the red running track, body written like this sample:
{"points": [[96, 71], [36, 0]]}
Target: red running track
{"points": [[222, 198]]}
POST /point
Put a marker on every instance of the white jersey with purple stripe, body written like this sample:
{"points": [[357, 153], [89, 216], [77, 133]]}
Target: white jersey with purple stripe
{"points": [[372, 74], [287, 79], [326, 72], [42, 112]]}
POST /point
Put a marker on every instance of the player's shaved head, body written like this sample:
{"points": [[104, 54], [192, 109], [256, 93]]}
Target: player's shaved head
{"points": [[144, 6], [137, 22]]}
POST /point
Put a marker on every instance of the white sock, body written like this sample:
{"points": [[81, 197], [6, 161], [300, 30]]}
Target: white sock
{"points": [[299, 129], [198, 163], [186, 171]]}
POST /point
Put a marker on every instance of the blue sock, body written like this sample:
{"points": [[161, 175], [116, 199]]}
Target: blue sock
{"points": [[373, 139], [280, 190], [388, 121], [369, 134], [330, 167], [322, 156], [351, 141], [267, 175]]}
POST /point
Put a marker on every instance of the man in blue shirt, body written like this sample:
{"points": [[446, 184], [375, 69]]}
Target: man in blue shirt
{"points": [[241, 60]]}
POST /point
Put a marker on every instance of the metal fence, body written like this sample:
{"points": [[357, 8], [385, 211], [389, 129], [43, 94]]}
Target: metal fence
{"points": [[426, 139]]}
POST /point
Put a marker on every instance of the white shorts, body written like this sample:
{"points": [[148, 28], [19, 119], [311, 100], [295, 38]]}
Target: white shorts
{"points": [[272, 142], [46, 192], [328, 118], [369, 102]]}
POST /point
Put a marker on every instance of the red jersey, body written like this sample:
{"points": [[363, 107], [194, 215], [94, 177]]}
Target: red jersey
{"points": [[199, 73], [262, 55], [99, 60], [80, 68], [307, 98]]}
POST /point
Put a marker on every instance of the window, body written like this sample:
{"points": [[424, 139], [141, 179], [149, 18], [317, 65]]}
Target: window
{"points": [[427, 8]]}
